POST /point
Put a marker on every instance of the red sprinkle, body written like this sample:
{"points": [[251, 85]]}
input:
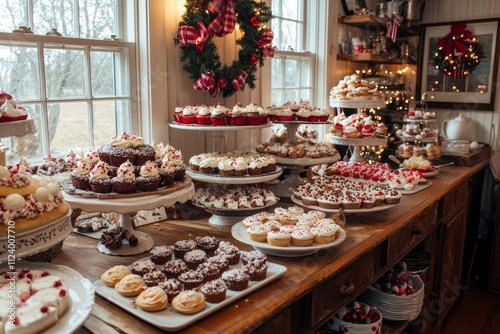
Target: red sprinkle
{"points": [[45, 273], [57, 283]]}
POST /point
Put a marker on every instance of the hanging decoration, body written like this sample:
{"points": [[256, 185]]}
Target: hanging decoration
{"points": [[458, 53], [205, 19]]}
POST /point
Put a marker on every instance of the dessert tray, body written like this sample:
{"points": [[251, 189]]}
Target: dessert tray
{"points": [[169, 319], [176, 125], [81, 293], [71, 190], [239, 233], [356, 104], [38, 239], [313, 207], [246, 179], [228, 217]]}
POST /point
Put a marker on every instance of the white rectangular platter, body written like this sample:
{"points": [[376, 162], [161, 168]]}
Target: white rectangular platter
{"points": [[171, 320]]}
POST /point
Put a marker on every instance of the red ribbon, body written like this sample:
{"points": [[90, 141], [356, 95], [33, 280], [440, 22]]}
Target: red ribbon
{"points": [[453, 43], [392, 28], [191, 36], [207, 83], [239, 82], [267, 39], [225, 21]]}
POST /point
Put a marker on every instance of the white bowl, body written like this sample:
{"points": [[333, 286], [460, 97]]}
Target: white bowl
{"points": [[341, 326]]}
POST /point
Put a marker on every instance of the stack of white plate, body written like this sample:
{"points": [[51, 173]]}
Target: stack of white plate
{"points": [[397, 308]]}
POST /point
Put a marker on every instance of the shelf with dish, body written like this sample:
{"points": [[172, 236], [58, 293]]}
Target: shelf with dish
{"points": [[373, 58], [363, 21]]}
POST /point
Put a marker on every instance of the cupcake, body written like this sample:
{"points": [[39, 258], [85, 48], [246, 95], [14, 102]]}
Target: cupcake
{"points": [[124, 182], [210, 271], [153, 278], [240, 166], [254, 166], [191, 279], [268, 164], [142, 267], [207, 243], [161, 254], [230, 251], [178, 114], [303, 114], [181, 247], [237, 116], [99, 181], [218, 115], [220, 261], [194, 258], [285, 115], [256, 270], [203, 116], [258, 232], [80, 175], [188, 115], [180, 167], [226, 167], [117, 151], [254, 115], [172, 287], [208, 165], [302, 238], [167, 172], [251, 256], [235, 279], [214, 291], [149, 177], [173, 268], [325, 234], [278, 238], [142, 152]]}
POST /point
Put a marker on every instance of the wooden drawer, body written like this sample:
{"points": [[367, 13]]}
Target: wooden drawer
{"points": [[281, 323], [401, 242], [328, 297], [453, 201]]}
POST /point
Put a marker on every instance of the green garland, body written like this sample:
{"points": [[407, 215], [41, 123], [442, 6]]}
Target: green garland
{"points": [[201, 59]]}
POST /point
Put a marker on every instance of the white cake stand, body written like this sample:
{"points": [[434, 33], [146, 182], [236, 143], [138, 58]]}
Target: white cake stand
{"points": [[124, 207], [356, 143]]}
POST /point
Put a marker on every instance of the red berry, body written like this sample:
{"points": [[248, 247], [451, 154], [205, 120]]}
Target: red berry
{"points": [[16, 321], [62, 293], [57, 283], [45, 273], [44, 309]]}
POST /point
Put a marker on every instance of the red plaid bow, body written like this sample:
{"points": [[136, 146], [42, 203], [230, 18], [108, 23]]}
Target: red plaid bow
{"points": [[267, 39], [239, 82], [191, 36], [225, 21], [207, 83]]}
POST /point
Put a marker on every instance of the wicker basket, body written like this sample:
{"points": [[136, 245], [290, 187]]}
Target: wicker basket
{"points": [[46, 255]]}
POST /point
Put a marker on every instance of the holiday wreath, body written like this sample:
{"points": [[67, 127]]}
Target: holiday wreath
{"points": [[205, 19], [458, 52]]}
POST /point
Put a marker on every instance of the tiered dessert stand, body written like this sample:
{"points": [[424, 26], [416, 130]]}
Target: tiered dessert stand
{"points": [[357, 143], [420, 123], [217, 143], [125, 206], [298, 165], [42, 242]]}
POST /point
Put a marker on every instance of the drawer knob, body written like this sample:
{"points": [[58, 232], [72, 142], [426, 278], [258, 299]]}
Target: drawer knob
{"points": [[417, 230], [346, 290]]}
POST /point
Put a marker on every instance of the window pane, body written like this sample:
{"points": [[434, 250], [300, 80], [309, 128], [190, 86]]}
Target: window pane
{"points": [[105, 67], [12, 15], [277, 97], [65, 73], [97, 18], [30, 145], [290, 10], [109, 117], [306, 68], [276, 7], [68, 127], [275, 26], [276, 74], [19, 74], [292, 95], [291, 73], [290, 36], [58, 14]]}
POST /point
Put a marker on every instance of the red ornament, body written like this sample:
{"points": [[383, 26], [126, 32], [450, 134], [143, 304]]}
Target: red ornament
{"points": [[254, 21], [261, 43], [222, 83], [199, 47], [254, 59]]}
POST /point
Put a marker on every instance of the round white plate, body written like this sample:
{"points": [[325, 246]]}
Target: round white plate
{"points": [[430, 139], [218, 128], [247, 179], [431, 174], [239, 233], [312, 207], [81, 293], [419, 120], [357, 141], [305, 162], [235, 212]]}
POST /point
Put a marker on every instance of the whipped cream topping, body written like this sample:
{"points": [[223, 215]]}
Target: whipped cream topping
{"points": [[167, 167], [100, 171], [82, 167], [121, 141], [149, 169], [126, 171], [136, 141]]}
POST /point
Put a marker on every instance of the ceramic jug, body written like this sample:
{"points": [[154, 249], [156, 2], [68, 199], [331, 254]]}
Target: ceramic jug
{"points": [[458, 128]]}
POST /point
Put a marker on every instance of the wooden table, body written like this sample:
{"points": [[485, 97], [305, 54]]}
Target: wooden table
{"points": [[299, 301]]}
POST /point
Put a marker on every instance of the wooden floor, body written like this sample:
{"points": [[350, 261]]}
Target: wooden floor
{"points": [[477, 312]]}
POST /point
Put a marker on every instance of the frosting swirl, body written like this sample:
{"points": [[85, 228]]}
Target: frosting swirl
{"points": [[126, 171], [100, 171], [149, 169], [121, 141]]}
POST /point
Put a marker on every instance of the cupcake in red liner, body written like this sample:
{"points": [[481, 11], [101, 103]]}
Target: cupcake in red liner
{"points": [[285, 115], [99, 181], [253, 114], [180, 167], [237, 116], [304, 115], [188, 115], [11, 113], [315, 115], [203, 116], [368, 131], [124, 182], [272, 113], [149, 177], [80, 175], [178, 114], [218, 115], [323, 114]]}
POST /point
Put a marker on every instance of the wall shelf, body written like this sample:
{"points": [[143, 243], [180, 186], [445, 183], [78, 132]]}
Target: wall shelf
{"points": [[369, 21]]}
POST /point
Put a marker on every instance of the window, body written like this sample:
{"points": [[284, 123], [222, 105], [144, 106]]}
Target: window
{"points": [[292, 66], [76, 87]]}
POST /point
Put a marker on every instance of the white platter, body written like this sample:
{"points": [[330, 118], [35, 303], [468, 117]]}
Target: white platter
{"points": [[430, 139], [38, 239], [357, 141], [302, 122], [355, 104], [239, 233], [247, 179], [169, 319], [218, 128], [419, 120], [374, 209], [17, 128], [81, 293], [305, 162], [235, 212]]}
